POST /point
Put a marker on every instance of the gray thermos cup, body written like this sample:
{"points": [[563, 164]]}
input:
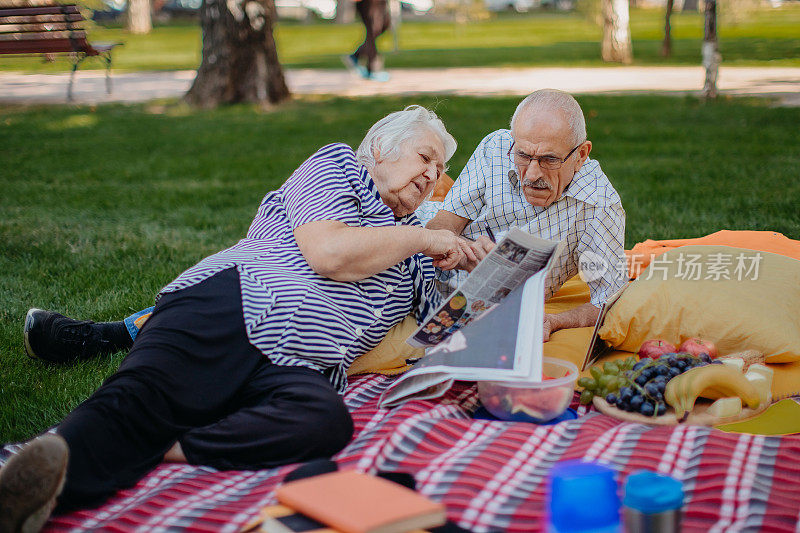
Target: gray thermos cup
{"points": [[652, 503]]}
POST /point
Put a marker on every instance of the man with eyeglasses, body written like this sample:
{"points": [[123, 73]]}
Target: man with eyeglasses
{"points": [[538, 176]]}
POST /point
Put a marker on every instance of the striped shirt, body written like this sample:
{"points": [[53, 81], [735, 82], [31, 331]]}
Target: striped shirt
{"points": [[292, 314], [588, 216]]}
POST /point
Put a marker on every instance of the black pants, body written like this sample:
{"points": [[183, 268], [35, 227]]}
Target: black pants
{"points": [[192, 376], [376, 21]]}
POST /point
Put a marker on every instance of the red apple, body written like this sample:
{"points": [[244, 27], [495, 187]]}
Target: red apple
{"points": [[697, 346], [655, 348]]}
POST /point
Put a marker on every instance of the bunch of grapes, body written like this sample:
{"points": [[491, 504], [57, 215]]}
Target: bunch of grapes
{"points": [[606, 379], [638, 387]]}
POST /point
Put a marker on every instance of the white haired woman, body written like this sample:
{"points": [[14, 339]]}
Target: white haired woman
{"points": [[243, 361]]}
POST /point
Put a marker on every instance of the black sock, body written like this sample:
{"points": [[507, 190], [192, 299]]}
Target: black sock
{"points": [[115, 333]]}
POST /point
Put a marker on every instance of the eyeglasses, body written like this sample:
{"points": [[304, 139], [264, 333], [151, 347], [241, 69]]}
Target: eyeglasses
{"points": [[549, 162]]}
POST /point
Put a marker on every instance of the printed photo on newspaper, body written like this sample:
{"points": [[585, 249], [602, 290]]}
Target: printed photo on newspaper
{"points": [[490, 328]]}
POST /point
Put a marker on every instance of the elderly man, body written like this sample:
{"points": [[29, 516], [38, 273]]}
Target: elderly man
{"points": [[538, 176]]}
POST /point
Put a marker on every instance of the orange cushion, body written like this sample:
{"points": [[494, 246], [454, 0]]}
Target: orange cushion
{"points": [[765, 241], [442, 188]]}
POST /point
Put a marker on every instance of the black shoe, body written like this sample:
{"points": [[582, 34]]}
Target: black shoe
{"points": [[56, 338], [30, 482]]}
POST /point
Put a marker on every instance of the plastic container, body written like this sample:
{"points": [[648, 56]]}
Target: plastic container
{"points": [[583, 498], [532, 401], [653, 503]]}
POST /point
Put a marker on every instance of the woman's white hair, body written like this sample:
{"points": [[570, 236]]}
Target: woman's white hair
{"points": [[388, 134], [550, 100]]}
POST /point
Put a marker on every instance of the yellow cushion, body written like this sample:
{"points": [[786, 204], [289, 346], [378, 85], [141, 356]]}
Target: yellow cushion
{"points": [[389, 357], [759, 312]]}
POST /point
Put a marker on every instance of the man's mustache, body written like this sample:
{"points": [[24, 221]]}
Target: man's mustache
{"points": [[538, 184]]}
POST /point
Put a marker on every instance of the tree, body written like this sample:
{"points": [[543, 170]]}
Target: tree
{"points": [[616, 46], [139, 17], [240, 60], [666, 47], [711, 56]]}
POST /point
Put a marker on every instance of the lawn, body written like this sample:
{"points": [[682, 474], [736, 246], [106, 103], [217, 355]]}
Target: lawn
{"points": [[768, 37], [103, 206]]}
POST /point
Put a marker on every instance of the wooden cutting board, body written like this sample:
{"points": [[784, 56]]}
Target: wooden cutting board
{"points": [[698, 417]]}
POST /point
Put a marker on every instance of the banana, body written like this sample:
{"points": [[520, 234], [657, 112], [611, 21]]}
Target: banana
{"points": [[709, 381]]}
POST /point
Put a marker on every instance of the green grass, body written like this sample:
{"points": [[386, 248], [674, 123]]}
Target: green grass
{"points": [[102, 207], [769, 36]]}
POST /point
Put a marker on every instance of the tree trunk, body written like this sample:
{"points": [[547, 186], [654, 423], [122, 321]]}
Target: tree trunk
{"points": [[240, 60], [666, 47], [616, 45], [711, 56], [139, 17]]}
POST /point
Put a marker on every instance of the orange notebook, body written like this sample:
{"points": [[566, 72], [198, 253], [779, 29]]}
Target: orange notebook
{"points": [[352, 502]]}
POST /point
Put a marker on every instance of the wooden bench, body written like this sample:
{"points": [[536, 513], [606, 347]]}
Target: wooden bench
{"points": [[54, 29]]}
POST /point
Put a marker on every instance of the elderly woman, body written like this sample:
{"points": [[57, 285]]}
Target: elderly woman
{"points": [[243, 362]]}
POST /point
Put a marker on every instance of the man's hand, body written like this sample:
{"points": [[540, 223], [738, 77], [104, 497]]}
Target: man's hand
{"points": [[479, 249], [446, 248], [580, 317], [548, 327]]}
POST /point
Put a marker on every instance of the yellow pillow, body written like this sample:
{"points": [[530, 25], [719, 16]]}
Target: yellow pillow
{"points": [[756, 309], [389, 357]]}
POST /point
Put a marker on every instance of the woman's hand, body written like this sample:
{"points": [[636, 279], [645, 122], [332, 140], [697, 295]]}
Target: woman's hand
{"points": [[479, 249], [446, 248]]}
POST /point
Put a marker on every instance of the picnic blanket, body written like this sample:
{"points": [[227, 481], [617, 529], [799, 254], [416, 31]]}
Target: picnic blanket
{"points": [[491, 475]]}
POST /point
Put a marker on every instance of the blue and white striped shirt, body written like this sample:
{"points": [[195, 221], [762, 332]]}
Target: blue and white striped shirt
{"points": [[292, 314], [588, 216]]}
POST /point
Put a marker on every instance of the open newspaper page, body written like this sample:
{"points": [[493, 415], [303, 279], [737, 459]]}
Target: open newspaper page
{"points": [[516, 257], [503, 340]]}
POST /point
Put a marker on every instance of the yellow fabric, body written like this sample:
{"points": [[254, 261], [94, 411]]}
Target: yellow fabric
{"points": [[782, 418], [389, 357], [750, 314], [569, 344]]}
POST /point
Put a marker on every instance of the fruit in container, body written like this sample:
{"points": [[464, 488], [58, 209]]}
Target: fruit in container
{"points": [[735, 362], [725, 407], [762, 382], [697, 346], [711, 381], [764, 370], [655, 348], [637, 386], [535, 401]]}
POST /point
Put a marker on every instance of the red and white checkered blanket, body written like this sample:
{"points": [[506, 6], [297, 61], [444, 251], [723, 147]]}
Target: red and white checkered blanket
{"points": [[490, 475]]}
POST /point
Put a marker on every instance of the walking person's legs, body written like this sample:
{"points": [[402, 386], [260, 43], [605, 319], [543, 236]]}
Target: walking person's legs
{"points": [[374, 15]]}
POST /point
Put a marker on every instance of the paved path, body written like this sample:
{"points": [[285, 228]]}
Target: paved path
{"points": [[783, 83]]}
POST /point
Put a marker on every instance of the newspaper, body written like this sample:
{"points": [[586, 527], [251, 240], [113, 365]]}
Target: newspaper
{"points": [[502, 302]]}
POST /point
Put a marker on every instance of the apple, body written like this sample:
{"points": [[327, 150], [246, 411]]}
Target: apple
{"points": [[655, 348], [697, 346]]}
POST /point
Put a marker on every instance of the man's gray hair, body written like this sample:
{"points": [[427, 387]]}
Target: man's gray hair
{"points": [[552, 99], [389, 133]]}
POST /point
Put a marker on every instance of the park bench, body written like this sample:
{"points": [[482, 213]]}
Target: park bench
{"points": [[53, 29]]}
